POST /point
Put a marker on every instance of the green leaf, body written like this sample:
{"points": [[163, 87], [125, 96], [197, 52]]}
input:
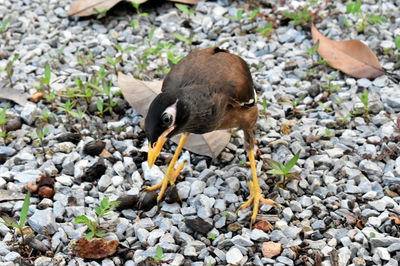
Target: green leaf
{"points": [[4, 24], [397, 42], [364, 98], [82, 219], [3, 115], [151, 34], [98, 210], [275, 172], [374, 19], [183, 8], [25, 209], [47, 73], [181, 38], [274, 164], [101, 233], [239, 14], [91, 226], [135, 4], [100, 106], [353, 7], [159, 252], [291, 163], [89, 235], [110, 60]]}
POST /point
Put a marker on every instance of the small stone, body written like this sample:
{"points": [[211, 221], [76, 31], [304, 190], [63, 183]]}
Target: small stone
{"points": [[258, 235], [234, 256], [42, 219], [104, 182], [30, 113], [271, 249], [65, 147], [12, 256], [190, 251], [197, 187], [344, 255], [382, 253], [287, 214], [242, 241]]}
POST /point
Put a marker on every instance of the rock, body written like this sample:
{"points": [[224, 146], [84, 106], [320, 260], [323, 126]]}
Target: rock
{"points": [[382, 253], [12, 256], [30, 113], [271, 249], [94, 147], [234, 256], [104, 182], [42, 219], [197, 187], [242, 241], [199, 225], [344, 254], [65, 147]]}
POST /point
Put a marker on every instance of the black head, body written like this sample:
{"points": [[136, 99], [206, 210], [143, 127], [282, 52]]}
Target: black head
{"points": [[164, 112]]}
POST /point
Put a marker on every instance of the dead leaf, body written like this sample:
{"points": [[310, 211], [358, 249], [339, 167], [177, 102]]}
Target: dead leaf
{"points": [[352, 56], [14, 95], [95, 248], [395, 219], [139, 94], [264, 225], [85, 8], [6, 195], [286, 126]]}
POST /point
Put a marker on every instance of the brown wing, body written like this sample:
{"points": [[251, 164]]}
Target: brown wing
{"points": [[217, 70]]}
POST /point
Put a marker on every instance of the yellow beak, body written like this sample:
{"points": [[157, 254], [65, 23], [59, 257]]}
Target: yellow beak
{"points": [[155, 148]]}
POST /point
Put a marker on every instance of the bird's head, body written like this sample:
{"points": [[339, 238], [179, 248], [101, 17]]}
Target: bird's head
{"points": [[163, 120]]}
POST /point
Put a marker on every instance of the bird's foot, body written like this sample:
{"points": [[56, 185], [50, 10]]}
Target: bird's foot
{"points": [[255, 199], [170, 177]]}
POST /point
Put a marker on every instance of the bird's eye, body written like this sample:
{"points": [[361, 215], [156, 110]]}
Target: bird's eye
{"points": [[166, 119]]}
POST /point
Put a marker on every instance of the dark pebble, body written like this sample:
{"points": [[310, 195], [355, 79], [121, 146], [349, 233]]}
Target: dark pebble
{"points": [[199, 225], [94, 147], [71, 137], [95, 171]]}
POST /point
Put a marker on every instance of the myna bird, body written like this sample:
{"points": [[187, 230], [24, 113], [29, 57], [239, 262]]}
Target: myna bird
{"points": [[207, 90]]}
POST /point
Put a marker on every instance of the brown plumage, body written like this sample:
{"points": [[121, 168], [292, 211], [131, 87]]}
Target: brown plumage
{"points": [[207, 90]]}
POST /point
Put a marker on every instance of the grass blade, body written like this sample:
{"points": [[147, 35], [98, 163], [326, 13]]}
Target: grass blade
{"points": [[292, 162], [25, 209]]}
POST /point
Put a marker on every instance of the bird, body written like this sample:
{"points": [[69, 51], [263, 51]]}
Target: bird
{"points": [[209, 89]]}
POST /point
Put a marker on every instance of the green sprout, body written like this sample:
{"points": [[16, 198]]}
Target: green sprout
{"points": [[363, 19], [135, 24], [3, 120], [105, 208], [4, 25], [40, 134], [331, 87], [267, 30], [364, 100], [185, 10], [300, 17], [10, 222], [280, 169], [9, 69], [159, 255], [212, 236]]}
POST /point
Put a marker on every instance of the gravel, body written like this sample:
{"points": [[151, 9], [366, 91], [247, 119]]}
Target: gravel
{"points": [[342, 207]]}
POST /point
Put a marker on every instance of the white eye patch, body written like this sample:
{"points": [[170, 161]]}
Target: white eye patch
{"points": [[171, 110]]}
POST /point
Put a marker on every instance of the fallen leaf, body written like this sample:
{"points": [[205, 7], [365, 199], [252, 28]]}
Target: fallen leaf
{"points": [[95, 248], [271, 249], [395, 219], [14, 95], [85, 8], [352, 56], [264, 225], [6, 195], [286, 126], [139, 94]]}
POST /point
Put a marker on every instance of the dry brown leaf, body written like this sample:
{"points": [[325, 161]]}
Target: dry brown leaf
{"points": [[14, 95], [84, 8], [95, 248], [264, 225], [396, 219], [352, 56], [139, 94]]}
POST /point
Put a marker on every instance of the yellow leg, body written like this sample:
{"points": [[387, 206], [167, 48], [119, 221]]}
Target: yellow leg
{"points": [[255, 191], [171, 174]]}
